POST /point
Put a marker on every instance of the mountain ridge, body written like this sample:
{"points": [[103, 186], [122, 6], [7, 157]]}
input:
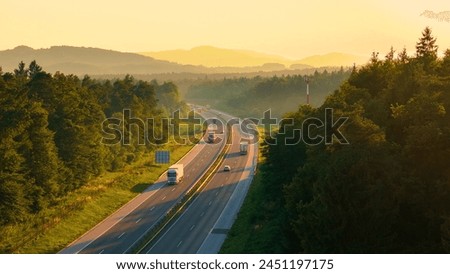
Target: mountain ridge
{"points": [[333, 59], [97, 61], [211, 56], [87, 60]]}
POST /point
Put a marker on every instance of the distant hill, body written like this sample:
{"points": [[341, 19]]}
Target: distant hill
{"points": [[95, 61], [217, 57], [332, 59], [81, 60]]}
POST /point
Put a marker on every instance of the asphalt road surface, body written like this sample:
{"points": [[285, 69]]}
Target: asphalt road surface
{"points": [[119, 232], [189, 231]]}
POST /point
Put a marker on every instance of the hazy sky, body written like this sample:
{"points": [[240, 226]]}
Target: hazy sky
{"points": [[291, 28]]}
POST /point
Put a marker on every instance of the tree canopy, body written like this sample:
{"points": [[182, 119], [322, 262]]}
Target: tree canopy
{"points": [[388, 191], [50, 138], [251, 97]]}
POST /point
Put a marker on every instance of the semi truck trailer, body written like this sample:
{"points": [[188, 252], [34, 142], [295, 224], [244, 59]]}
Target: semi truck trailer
{"points": [[211, 137], [243, 147], [175, 174]]}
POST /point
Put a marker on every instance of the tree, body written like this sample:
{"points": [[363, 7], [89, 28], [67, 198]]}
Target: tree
{"points": [[426, 48], [34, 68], [402, 57], [43, 162], [77, 135], [21, 71], [167, 94], [374, 58], [390, 55], [388, 191], [444, 69], [13, 204], [50, 137], [13, 124], [445, 234], [41, 88]]}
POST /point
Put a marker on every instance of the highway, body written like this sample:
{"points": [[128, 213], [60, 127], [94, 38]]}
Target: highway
{"points": [[119, 232], [199, 221]]}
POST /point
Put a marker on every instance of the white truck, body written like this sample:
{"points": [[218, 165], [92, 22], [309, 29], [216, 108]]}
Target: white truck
{"points": [[243, 146], [175, 174], [211, 136]]}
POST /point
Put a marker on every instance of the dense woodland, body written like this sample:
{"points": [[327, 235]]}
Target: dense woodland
{"points": [[51, 132], [388, 191], [250, 97]]}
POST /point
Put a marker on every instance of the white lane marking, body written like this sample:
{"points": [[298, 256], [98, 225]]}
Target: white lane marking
{"points": [[210, 202], [217, 193], [192, 227], [121, 235], [139, 220], [221, 185], [203, 213], [173, 189], [178, 245], [135, 206], [163, 198], [151, 209], [101, 251]]}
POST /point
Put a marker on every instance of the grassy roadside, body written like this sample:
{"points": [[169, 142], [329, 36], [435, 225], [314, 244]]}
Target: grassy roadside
{"points": [[259, 224], [79, 211]]}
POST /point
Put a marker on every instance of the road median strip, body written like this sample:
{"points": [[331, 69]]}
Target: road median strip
{"points": [[174, 212]]}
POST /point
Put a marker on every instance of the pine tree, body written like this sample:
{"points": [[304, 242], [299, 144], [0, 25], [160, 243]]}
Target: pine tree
{"points": [[426, 47], [21, 71], [402, 57], [374, 58], [43, 159], [34, 68], [390, 55], [12, 200], [444, 69]]}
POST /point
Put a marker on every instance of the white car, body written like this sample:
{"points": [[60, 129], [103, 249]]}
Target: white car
{"points": [[226, 168]]}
